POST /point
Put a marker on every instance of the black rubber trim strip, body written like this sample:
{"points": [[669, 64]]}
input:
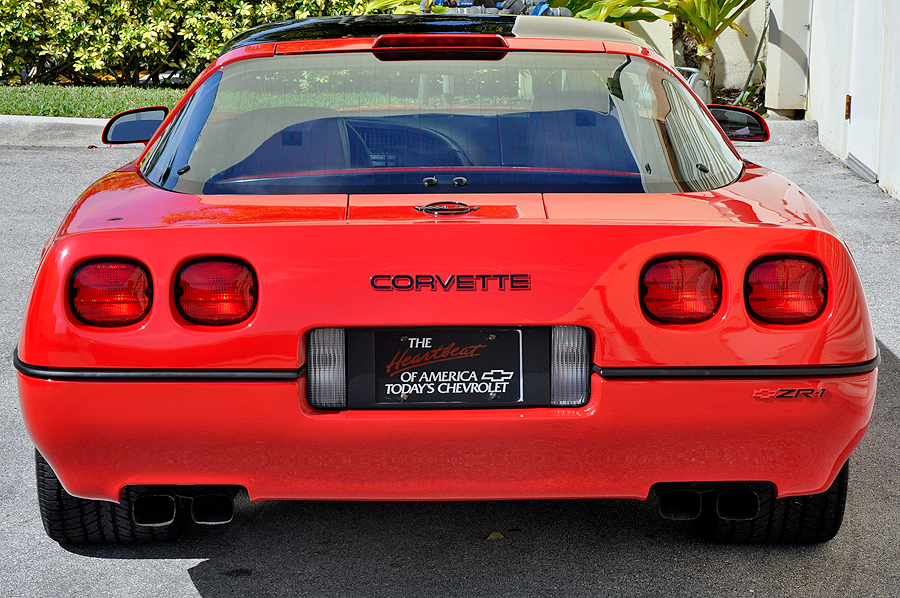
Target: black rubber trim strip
{"points": [[156, 375], [675, 373], [615, 373]]}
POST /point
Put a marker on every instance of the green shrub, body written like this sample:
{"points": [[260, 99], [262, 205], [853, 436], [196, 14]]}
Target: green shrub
{"points": [[116, 41]]}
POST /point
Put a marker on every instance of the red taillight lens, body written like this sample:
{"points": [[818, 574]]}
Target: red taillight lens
{"points": [[786, 290], [680, 290], [216, 292], [110, 293]]}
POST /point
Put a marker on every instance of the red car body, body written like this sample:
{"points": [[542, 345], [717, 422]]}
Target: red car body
{"points": [[165, 402]]}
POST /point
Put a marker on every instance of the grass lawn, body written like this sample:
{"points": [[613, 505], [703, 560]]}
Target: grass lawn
{"points": [[86, 102]]}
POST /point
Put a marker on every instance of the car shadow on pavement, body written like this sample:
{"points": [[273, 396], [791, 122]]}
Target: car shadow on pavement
{"points": [[555, 547]]}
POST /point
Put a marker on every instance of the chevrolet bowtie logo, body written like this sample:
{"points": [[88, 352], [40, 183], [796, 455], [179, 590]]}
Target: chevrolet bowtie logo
{"points": [[497, 376]]}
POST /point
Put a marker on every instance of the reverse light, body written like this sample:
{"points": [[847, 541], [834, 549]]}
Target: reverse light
{"points": [[570, 366], [110, 293], [216, 291], [680, 290], [786, 290], [326, 357]]}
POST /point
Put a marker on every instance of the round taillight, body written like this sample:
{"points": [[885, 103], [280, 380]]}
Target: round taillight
{"points": [[216, 292], [786, 290], [110, 293], [680, 290]]}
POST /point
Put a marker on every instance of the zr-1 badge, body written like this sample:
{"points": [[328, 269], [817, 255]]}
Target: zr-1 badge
{"points": [[789, 394]]}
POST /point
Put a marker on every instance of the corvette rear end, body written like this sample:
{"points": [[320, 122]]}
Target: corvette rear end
{"points": [[346, 270]]}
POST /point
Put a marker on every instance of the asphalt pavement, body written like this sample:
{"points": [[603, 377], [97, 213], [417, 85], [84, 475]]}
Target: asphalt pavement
{"points": [[548, 548]]}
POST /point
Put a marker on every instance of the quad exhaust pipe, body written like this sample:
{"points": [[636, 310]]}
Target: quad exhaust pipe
{"points": [[212, 509], [160, 507], [680, 505], [154, 510], [737, 505], [684, 504]]}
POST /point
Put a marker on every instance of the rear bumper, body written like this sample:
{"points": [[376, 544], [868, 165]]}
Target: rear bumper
{"points": [[100, 436]]}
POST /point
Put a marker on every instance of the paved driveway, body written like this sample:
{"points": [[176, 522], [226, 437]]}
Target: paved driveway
{"points": [[553, 548]]}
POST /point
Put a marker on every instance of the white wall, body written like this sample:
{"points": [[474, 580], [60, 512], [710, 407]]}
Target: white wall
{"points": [[829, 83], [829, 72], [889, 164], [734, 51], [787, 54]]}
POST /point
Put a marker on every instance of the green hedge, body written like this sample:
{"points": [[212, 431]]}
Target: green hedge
{"points": [[116, 41]]}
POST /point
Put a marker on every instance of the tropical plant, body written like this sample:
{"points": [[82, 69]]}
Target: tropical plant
{"points": [[753, 96], [119, 41], [397, 7], [704, 20]]}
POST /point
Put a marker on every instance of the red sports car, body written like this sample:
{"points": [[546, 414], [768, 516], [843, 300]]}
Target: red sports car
{"points": [[444, 258]]}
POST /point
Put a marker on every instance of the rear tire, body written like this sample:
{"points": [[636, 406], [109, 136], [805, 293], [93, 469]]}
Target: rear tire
{"points": [[71, 520], [808, 519]]}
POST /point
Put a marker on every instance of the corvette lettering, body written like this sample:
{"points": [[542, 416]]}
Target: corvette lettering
{"points": [[451, 282]]}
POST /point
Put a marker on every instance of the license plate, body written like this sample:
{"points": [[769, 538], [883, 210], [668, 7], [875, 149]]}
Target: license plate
{"points": [[448, 367]]}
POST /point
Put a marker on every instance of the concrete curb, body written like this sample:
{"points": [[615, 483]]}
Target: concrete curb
{"points": [[793, 132], [47, 131]]}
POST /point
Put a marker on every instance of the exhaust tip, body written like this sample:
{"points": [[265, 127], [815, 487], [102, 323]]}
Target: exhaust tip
{"points": [[212, 509], [737, 505], [154, 510], [680, 505]]}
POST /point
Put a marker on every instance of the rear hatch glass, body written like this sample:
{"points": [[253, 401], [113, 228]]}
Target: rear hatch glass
{"points": [[529, 122]]}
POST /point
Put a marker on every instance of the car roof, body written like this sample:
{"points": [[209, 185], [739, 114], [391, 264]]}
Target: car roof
{"points": [[523, 26]]}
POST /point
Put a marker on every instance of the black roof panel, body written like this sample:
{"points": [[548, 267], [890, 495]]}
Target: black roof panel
{"points": [[413, 24], [372, 26]]}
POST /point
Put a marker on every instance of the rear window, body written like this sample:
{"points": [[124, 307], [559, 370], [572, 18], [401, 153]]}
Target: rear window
{"points": [[531, 121]]}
